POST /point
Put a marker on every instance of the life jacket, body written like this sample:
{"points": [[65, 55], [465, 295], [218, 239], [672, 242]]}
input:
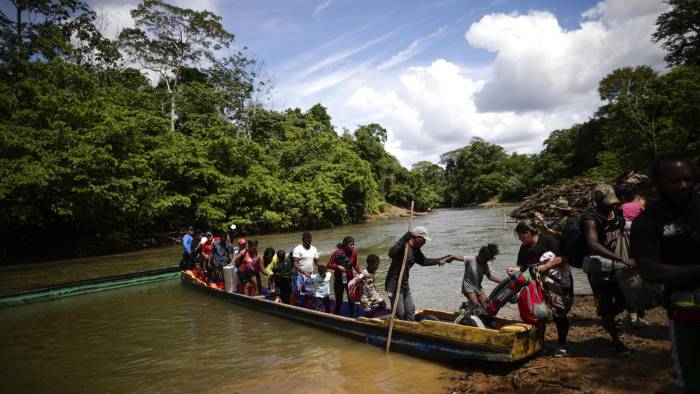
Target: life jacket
{"points": [[532, 305]]}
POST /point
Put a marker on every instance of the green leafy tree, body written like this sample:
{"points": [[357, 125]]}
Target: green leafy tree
{"points": [[678, 30], [168, 38], [45, 28]]}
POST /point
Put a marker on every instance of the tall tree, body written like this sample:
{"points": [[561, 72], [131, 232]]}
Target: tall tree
{"points": [[679, 30], [44, 29], [168, 38], [634, 105]]}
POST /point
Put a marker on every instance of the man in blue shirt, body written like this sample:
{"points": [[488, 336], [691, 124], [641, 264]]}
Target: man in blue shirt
{"points": [[186, 248]]}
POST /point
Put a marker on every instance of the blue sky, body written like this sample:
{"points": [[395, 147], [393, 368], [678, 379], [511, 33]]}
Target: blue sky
{"points": [[436, 74], [277, 31]]}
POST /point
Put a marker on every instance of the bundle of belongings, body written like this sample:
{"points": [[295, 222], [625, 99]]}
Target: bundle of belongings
{"points": [[522, 288]]}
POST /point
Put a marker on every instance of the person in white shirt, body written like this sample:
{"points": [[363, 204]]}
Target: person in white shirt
{"points": [[321, 283], [305, 257]]}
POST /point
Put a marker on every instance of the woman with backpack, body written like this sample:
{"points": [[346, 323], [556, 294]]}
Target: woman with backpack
{"points": [[540, 254], [343, 261]]}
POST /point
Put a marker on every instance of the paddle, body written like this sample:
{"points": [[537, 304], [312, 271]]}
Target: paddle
{"points": [[398, 285]]}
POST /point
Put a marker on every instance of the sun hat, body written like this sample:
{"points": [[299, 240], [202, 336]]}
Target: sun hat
{"points": [[561, 204]]}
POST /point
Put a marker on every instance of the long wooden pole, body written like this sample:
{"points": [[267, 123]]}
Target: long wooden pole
{"points": [[398, 285]]}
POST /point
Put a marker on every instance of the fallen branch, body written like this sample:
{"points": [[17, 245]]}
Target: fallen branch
{"points": [[531, 368], [560, 383]]}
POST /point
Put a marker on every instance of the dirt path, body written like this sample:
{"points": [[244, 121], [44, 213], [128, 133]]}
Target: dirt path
{"points": [[590, 366]]}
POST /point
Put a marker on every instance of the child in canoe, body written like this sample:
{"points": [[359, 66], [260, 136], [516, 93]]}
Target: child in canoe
{"points": [[363, 287], [321, 283]]}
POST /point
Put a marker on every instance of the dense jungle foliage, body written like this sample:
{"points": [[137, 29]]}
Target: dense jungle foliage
{"points": [[93, 156]]}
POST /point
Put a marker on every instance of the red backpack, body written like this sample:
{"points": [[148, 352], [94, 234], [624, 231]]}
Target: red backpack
{"points": [[532, 305], [355, 288]]}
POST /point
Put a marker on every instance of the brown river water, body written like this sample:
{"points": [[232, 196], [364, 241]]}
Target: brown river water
{"points": [[162, 337]]}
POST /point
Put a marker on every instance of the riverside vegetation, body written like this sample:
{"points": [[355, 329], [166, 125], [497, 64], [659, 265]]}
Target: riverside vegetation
{"points": [[93, 156]]}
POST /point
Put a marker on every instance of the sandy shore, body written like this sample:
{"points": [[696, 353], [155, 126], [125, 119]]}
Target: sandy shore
{"points": [[590, 366], [388, 211]]}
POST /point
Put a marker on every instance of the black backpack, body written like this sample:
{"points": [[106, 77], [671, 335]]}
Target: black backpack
{"points": [[573, 241]]}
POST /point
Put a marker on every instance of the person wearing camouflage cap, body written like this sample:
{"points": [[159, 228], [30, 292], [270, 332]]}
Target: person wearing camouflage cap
{"points": [[602, 227]]}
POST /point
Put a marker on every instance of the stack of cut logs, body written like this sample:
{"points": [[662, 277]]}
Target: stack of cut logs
{"points": [[579, 194]]}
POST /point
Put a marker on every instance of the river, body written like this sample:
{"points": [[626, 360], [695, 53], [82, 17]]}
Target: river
{"points": [[163, 337]]}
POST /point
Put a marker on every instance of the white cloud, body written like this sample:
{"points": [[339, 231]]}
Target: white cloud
{"points": [[323, 5], [113, 16], [541, 66], [544, 77], [431, 110], [338, 57], [414, 49]]}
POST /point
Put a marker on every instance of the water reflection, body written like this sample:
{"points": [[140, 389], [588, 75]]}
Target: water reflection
{"points": [[165, 338]]}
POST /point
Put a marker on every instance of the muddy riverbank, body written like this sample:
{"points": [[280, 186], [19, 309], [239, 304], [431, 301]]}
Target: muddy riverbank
{"points": [[590, 367]]}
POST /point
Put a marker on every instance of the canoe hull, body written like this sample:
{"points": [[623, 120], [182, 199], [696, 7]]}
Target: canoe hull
{"points": [[62, 290], [425, 346]]}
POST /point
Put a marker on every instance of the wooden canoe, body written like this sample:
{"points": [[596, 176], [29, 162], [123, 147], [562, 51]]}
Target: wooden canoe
{"points": [[437, 340], [15, 297]]}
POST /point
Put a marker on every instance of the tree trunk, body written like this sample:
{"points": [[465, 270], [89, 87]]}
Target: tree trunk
{"points": [[172, 112], [19, 6], [172, 104]]}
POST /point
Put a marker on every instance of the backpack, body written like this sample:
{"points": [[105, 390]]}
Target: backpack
{"points": [[573, 242], [219, 254], [532, 305], [573, 239], [505, 291], [284, 267], [355, 288]]}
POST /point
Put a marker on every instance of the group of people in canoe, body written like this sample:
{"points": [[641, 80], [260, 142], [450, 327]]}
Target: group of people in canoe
{"points": [[635, 257], [293, 278]]}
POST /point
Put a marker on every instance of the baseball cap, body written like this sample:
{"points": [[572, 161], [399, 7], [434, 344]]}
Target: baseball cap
{"points": [[421, 232], [604, 194]]}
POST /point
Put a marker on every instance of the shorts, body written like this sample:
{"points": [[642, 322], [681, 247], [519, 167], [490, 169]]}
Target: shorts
{"points": [[246, 275], [609, 299], [301, 285]]}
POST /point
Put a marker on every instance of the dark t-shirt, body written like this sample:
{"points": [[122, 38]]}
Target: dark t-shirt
{"points": [[609, 230], [667, 234], [528, 255], [396, 252]]}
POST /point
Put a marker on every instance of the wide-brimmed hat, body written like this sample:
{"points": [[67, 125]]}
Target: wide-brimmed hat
{"points": [[421, 232], [561, 204]]}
